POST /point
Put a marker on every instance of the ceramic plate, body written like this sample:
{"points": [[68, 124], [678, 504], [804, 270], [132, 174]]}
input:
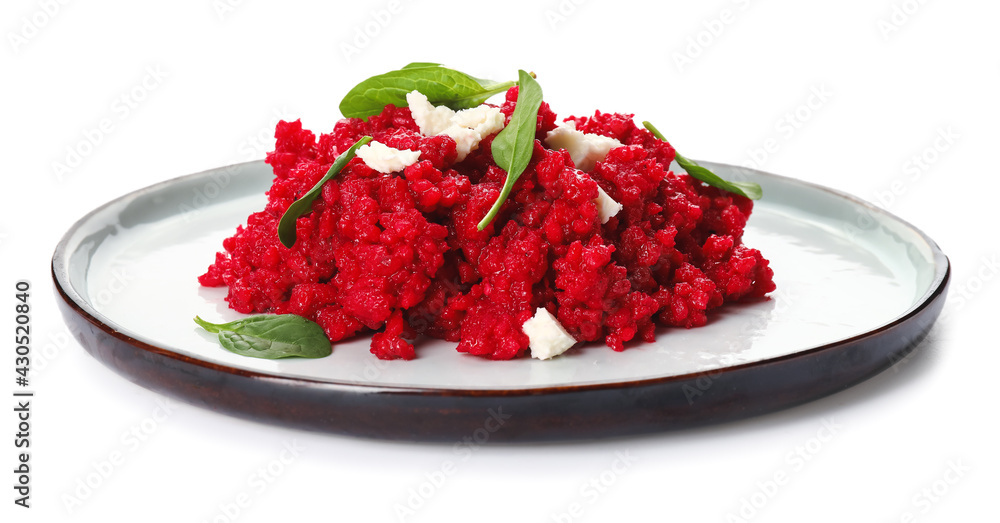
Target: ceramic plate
{"points": [[856, 289]]}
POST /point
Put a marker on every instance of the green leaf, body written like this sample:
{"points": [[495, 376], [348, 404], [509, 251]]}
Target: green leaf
{"points": [[303, 206], [441, 86], [513, 146], [271, 337], [749, 189], [417, 65]]}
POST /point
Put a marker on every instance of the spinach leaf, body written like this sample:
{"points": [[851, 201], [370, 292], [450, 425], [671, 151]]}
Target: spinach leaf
{"points": [[302, 206], [513, 146], [417, 65], [749, 189], [441, 86], [271, 337]]}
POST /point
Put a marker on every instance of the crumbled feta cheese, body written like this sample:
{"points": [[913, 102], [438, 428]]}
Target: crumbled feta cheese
{"points": [[484, 119], [546, 336], [585, 149], [385, 159], [606, 207], [466, 140], [467, 127], [431, 120]]}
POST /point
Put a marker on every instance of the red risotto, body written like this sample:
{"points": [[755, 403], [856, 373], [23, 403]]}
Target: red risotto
{"points": [[399, 254]]}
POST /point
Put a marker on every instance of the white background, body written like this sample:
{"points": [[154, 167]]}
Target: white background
{"points": [[895, 84]]}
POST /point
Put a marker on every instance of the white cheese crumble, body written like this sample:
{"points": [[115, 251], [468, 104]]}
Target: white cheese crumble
{"points": [[467, 127], [385, 159], [586, 149], [546, 336], [431, 120], [606, 206]]}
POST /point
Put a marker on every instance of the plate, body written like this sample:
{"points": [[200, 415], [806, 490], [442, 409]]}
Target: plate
{"points": [[857, 288]]}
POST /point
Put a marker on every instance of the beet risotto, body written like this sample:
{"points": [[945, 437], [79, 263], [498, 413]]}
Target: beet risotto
{"points": [[598, 239]]}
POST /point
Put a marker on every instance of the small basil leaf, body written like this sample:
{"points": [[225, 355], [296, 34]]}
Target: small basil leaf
{"points": [[513, 146], [749, 189], [441, 86], [492, 86], [303, 206], [271, 337]]}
